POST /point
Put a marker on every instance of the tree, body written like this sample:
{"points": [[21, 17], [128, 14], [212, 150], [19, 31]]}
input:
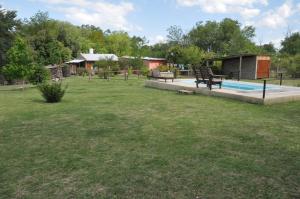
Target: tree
{"points": [[174, 55], [58, 54], [8, 26], [19, 60], [193, 55], [291, 44], [175, 35], [223, 38], [205, 36], [38, 74], [268, 49], [138, 45], [119, 43]]}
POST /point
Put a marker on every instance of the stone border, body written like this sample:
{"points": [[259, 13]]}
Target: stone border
{"points": [[222, 93]]}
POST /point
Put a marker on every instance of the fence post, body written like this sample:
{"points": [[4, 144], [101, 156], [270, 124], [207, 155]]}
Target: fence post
{"points": [[126, 73], [280, 79], [264, 89]]}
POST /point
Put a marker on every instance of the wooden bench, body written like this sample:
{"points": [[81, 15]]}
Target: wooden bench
{"points": [[156, 74], [165, 78]]}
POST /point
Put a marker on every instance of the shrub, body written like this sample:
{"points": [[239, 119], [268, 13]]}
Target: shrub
{"points": [[13, 72], [38, 74], [81, 71], [66, 71], [144, 70], [164, 68], [52, 92]]}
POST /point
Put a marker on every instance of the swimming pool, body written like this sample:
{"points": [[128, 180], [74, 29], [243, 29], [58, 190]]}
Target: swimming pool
{"points": [[237, 85]]}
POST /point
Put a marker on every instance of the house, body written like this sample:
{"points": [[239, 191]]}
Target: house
{"points": [[150, 62], [88, 60], [246, 66], [153, 63]]}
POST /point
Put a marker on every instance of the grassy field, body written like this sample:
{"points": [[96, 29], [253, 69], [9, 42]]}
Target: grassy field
{"points": [[119, 139]]}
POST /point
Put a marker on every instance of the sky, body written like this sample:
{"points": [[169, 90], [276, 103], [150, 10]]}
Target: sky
{"points": [[273, 19]]}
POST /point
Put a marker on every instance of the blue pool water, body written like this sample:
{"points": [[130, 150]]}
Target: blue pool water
{"points": [[235, 85]]}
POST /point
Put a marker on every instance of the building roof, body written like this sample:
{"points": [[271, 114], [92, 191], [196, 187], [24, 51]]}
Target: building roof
{"points": [[234, 57], [154, 59], [75, 61], [146, 58], [97, 57]]}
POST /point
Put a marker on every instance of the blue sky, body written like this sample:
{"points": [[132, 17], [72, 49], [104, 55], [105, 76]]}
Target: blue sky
{"points": [[271, 18]]}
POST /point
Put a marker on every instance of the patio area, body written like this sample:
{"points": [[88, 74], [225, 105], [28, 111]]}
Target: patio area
{"points": [[276, 93]]}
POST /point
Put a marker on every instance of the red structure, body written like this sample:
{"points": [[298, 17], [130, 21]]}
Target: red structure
{"points": [[153, 63]]}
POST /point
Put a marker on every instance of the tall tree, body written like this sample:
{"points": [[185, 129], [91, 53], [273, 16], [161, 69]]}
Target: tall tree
{"points": [[175, 35], [291, 44], [20, 59], [119, 43], [8, 27], [138, 45], [268, 49], [58, 54], [225, 37]]}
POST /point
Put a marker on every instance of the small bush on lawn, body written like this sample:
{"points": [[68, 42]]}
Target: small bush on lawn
{"points": [[38, 74], [53, 92]]}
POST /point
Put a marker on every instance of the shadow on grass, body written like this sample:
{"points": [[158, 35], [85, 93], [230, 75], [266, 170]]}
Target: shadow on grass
{"points": [[43, 101], [16, 89]]}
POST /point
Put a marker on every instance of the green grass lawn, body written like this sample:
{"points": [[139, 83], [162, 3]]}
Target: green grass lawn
{"points": [[119, 139]]}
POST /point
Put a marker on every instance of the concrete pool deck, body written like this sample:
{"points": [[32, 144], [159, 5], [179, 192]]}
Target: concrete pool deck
{"points": [[280, 95]]}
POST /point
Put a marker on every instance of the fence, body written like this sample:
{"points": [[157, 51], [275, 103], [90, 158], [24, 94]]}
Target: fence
{"points": [[122, 73]]}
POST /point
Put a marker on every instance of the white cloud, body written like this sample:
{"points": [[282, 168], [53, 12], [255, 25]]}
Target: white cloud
{"points": [[157, 39], [243, 7], [99, 13], [278, 17]]}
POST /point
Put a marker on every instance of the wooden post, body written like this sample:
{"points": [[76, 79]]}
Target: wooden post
{"points": [[280, 79], [264, 89], [108, 73], [240, 68]]}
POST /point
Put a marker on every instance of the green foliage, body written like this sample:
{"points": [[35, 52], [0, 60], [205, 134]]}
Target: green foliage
{"points": [[164, 68], [119, 43], [38, 74], [81, 71], [58, 53], [107, 65], [174, 54], [144, 70], [52, 92], [20, 53], [192, 55], [291, 44], [8, 26], [223, 38], [19, 61], [136, 63], [139, 46], [12, 72], [175, 35], [268, 49]]}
